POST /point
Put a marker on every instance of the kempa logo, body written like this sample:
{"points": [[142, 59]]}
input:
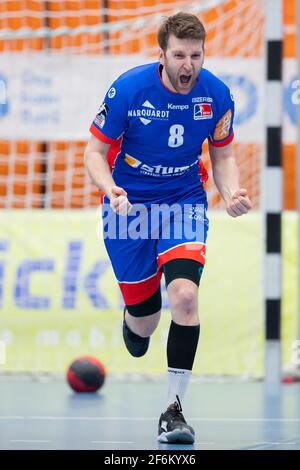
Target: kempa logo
{"points": [[149, 113], [181, 107], [157, 170]]}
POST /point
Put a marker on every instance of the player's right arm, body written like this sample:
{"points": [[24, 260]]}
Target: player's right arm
{"points": [[95, 158]]}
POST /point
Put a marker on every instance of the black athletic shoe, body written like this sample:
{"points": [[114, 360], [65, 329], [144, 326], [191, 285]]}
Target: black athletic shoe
{"points": [[173, 428], [135, 344]]}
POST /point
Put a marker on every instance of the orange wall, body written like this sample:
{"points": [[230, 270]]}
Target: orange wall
{"points": [[63, 19]]}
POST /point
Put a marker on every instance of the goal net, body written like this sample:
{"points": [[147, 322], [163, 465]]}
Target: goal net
{"points": [[49, 173], [57, 58]]}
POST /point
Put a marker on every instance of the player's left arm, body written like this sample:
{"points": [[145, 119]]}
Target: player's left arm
{"points": [[226, 177]]}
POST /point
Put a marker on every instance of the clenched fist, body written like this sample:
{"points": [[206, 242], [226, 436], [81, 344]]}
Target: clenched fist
{"points": [[239, 203], [119, 202]]}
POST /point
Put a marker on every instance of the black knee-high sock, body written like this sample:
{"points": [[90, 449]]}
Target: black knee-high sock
{"points": [[181, 351]]}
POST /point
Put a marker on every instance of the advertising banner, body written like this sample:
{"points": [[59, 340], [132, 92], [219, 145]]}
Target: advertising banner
{"points": [[49, 97], [59, 297]]}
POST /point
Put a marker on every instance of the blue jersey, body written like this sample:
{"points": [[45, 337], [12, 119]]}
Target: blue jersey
{"points": [[161, 132]]}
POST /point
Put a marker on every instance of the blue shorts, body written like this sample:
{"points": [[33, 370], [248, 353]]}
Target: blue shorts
{"points": [[139, 244]]}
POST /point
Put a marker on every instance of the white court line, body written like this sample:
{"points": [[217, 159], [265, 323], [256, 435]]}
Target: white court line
{"points": [[249, 420], [90, 418], [130, 418], [205, 443], [260, 445], [11, 417], [30, 441], [113, 442]]}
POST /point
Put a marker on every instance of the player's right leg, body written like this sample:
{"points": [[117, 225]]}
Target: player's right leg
{"points": [[135, 266], [140, 318], [140, 321]]}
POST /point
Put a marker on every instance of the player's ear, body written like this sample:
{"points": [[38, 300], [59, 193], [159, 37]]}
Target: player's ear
{"points": [[203, 57], [161, 56]]}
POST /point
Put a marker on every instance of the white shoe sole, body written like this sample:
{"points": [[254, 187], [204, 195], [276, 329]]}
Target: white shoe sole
{"points": [[178, 436]]}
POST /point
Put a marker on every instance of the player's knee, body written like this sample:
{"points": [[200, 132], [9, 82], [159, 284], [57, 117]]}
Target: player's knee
{"points": [[182, 279], [184, 303], [143, 326], [184, 298]]}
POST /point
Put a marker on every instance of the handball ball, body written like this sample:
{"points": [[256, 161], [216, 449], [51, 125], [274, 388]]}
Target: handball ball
{"points": [[86, 374]]}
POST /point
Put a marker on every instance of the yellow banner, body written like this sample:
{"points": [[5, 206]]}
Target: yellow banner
{"points": [[59, 298]]}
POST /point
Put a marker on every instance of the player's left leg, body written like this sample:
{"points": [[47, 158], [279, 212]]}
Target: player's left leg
{"points": [[182, 261], [182, 279]]}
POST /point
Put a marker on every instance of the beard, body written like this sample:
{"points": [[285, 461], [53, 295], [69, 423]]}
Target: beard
{"points": [[180, 81]]}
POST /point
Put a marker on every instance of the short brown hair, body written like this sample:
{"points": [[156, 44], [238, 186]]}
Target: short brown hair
{"points": [[183, 26]]}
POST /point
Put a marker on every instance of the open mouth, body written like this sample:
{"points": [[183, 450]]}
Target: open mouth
{"points": [[185, 79]]}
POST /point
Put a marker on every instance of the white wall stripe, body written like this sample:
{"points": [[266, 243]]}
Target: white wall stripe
{"points": [[272, 283], [273, 365], [273, 110], [273, 195], [274, 27]]}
